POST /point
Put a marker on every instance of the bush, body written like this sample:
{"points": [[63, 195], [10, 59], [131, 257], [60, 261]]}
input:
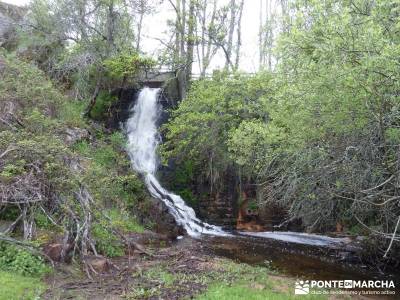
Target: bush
{"points": [[18, 260], [102, 106], [107, 242]]}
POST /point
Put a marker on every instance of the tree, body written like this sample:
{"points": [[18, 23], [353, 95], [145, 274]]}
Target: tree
{"points": [[318, 136], [141, 8], [89, 32]]}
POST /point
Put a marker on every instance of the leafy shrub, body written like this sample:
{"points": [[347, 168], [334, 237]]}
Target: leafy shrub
{"points": [[18, 260], [117, 140], [103, 104], [71, 113], [121, 220], [106, 242], [127, 65]]}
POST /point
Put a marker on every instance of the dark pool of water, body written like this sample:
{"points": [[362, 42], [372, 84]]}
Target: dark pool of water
{"points": [[301, 261]]}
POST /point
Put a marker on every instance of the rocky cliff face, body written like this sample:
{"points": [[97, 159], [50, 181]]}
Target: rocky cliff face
{"points": [[220, 207]]}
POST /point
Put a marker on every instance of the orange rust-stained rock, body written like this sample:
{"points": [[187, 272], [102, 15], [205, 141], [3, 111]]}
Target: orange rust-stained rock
{"points": [[247, 221], [339, 227]]}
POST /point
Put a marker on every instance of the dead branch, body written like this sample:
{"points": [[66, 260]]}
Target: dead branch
{"points": [[393, 238], [8, 150]]}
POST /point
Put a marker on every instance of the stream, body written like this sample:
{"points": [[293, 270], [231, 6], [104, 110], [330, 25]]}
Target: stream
{"points": [[302, 255]]}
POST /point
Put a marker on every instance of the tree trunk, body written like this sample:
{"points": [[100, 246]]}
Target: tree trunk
{"points": [[190, 40], [260, 41], [206, 59], [230, 33], [239, 36], [92, 102], [110, 28], [183, 28], [139, 31]]}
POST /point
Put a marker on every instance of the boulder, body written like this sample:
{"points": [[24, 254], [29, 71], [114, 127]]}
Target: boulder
{"points": [[57, 252], [98, 263], [75, 134]]}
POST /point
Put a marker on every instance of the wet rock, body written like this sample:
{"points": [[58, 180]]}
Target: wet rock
{"points": [[75, 134], [156, 212]]}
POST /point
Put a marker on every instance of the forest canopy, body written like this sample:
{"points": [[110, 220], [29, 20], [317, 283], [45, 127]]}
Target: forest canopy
{"points": [[318, 132], [314, 132]]}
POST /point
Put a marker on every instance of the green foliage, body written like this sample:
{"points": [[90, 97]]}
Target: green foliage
{"points": [[121, 220], [108, 172], [77, 60], [14, 286], [201, 128], [102, 107], [182, 180], [18, 260], [40, 165], [117, 140], [108, 176], [319, 131], [106, 242], [71, 113], [127, 65]]}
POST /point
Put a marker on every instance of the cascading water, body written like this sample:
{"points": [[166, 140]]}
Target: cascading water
{"points": [[143, 139]]}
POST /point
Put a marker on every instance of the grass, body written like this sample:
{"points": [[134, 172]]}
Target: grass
{"points": [[222, 292], [17, 287], [242, 281], [225, 280], [71, 113], [249, 291]]}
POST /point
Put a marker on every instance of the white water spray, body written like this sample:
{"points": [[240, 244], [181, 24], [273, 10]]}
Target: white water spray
{"points": [[143, 139]]}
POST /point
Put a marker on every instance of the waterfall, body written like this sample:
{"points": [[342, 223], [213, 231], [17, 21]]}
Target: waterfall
{"points": [[143, 139]]}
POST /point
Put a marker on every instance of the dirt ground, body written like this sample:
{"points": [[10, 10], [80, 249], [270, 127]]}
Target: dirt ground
{"points": [[179, 270], [139, 275]]}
